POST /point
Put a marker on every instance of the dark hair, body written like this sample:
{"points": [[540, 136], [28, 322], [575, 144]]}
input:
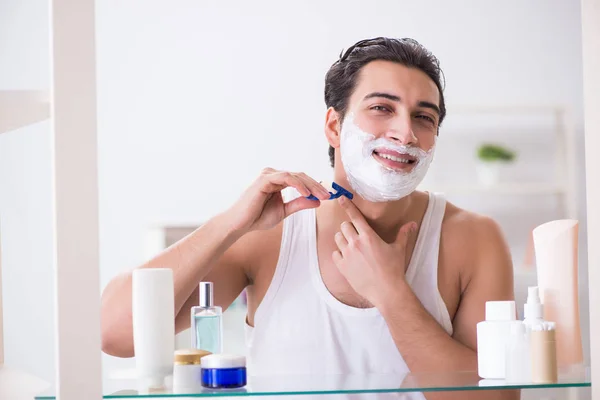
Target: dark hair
{"points": [[341, 78]]}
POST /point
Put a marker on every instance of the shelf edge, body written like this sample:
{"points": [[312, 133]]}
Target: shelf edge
{"points": [[19, 108]]}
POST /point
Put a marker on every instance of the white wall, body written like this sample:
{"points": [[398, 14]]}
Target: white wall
{"points": [[196, 97], [26, 195]]}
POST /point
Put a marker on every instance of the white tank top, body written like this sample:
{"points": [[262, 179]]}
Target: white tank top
{"points": [[301, 328]]}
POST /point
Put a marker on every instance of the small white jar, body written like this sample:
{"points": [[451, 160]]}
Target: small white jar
{"points": [[187, 371]]}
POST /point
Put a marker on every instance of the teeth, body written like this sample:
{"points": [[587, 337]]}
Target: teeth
{"points": [[396, 159]]}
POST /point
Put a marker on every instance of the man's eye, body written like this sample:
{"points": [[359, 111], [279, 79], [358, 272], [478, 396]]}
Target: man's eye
{"points": [[426, 118], [380, 108]]}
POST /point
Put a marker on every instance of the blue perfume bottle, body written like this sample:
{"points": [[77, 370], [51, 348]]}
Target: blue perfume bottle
{"points": [[207, 322]]}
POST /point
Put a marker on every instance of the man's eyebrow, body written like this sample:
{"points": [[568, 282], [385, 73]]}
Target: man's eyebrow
{"points": [[427, 104], [384, 95], [423, 104]]}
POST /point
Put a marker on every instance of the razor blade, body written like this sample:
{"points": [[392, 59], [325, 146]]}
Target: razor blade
{"points": [[339, 192]]}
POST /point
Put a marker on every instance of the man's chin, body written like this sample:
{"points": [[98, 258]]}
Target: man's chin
{"points": [[369, 193]]}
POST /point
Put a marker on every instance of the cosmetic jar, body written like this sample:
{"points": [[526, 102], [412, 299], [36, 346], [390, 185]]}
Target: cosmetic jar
{"points": [[220, 371], [187, 371]]}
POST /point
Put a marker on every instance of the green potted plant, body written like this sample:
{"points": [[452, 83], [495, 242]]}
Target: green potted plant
{"points": [[492, 157]]}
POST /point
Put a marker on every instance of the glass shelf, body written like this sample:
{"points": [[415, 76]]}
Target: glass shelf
{"points": [[311, 385]]}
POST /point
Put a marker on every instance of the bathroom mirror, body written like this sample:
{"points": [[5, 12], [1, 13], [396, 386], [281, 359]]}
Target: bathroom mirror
{"points": [[195, 98], [224, 107]]}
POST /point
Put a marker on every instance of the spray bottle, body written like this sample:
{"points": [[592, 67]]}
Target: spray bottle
{"points": [[533, 310]]}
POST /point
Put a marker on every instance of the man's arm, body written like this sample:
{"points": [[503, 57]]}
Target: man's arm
{"points": [[191, 260], [373, 269], [261, 207], [423, 343]]}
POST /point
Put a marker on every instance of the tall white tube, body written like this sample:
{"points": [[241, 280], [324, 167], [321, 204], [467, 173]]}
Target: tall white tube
{"points": [[153, 311], [556, 244]]}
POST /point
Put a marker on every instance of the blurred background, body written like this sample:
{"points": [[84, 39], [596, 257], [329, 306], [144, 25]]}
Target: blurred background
{"points": [[195, 98]]}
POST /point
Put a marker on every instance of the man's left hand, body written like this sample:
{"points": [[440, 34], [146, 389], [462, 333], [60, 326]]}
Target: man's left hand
{"points": [[370, 265]]}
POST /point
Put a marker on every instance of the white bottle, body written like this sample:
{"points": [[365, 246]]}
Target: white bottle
{"points": [[153, 312], [518, 355], [492, 338], [533, 309]]}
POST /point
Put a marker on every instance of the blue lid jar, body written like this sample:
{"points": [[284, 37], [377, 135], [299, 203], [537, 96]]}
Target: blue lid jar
{"points": [[221, 371]]}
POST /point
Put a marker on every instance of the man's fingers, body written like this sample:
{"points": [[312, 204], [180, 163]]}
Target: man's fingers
{"points": [[405, 231], [358, 220], [318, 190], [274, 181], [277, 181], [349, 232], [340, 241], [337, 257], [299, 204]]}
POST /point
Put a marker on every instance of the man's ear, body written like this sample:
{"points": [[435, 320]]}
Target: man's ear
{"points": [[333, 127]]}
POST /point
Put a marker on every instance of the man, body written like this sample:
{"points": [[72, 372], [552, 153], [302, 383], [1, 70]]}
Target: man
{"points": [[392, 281]]}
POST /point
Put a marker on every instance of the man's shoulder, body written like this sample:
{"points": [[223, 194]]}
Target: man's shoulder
{"points": [[468, 225], [469, 238], [472, 243]]}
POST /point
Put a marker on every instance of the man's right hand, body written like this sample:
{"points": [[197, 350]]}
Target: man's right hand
{"points": [[262, 206]]}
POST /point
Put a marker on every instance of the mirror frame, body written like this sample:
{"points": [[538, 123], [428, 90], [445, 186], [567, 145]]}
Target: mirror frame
{"points": [[590, 21]]}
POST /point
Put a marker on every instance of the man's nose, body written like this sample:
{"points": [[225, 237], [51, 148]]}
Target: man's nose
{"points": [[401, 132]]}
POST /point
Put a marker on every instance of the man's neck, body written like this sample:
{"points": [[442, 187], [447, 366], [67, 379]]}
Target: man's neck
{"points": [[386, 218]]}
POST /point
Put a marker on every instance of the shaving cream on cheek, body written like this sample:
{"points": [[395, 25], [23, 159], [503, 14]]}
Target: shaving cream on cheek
{"points": [[371, 180]]}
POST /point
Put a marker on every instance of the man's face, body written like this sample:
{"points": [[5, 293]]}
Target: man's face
{"points": [[385, 144], [397, 104]]}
